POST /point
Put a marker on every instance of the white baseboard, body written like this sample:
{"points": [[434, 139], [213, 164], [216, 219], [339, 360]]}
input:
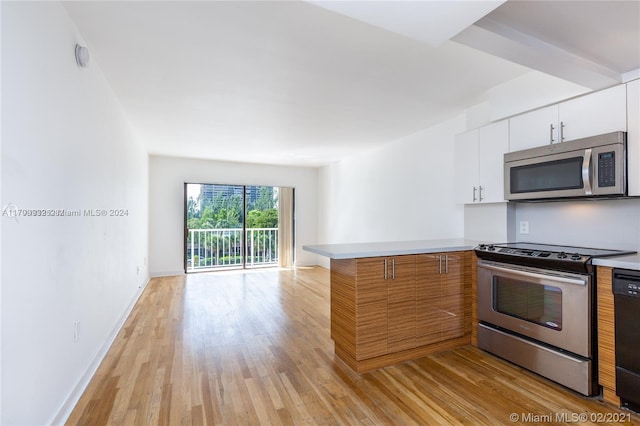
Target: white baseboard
{"points": [[74, 397], [166, 274]]}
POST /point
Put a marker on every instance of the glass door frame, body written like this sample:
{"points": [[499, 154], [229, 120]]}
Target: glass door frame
{"points": [[244, 240]]}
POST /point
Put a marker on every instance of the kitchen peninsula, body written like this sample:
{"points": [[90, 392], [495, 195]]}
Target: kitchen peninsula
{"points": [[396, 301]]}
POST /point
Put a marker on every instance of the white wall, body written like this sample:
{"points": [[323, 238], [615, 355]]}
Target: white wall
{"points": [[0, 216], [613, 224], [66, 144], [402, 191], [167, 176], [489, 222]]}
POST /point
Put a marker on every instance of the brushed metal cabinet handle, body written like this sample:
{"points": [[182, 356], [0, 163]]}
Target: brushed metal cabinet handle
{"points": [[393, 269], [386, 276], [474, 194], [551, 129]]}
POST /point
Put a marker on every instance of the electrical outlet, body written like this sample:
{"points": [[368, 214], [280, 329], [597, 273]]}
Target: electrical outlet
{"points": [[76, 331], [524, 227]]}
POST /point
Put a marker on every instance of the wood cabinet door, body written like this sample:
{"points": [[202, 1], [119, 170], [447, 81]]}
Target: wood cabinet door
{"points": [[401, 296], [371, 308], [428, 299], [452, 290]]}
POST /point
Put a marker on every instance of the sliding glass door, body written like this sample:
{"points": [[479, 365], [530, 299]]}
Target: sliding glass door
{"points": [[214, 226], [232, 226], [261, 226]]}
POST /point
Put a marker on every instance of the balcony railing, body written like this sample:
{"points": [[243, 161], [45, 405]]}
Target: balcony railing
{"points": [[220, 248]]}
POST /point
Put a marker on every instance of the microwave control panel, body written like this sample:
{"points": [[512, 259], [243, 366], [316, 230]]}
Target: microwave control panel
{"points": [[606, 169]]}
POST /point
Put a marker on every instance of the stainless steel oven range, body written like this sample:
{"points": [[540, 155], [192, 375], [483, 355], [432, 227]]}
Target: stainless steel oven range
{"points": [[536, 308]]}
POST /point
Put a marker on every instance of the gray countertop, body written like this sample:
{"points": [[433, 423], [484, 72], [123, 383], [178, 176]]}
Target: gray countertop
{"points": [[390, 248], [631, 261], [397, 248]]}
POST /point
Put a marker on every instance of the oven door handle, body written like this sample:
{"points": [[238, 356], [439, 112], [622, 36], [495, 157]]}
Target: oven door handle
{"points": [[567, 280]]}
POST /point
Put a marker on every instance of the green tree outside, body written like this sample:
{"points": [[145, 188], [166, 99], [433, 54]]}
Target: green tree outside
{"points": [[226, 212]]}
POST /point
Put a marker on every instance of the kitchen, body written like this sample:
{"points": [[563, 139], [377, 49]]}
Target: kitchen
{"points": [[384, 96], [562, 222]]}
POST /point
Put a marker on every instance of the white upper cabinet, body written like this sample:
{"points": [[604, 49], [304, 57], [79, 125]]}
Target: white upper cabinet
{"points": [[589, 115], [633, 137], [594, 114], [535, 128], [494, 142], [466, 167], [479, 158]]}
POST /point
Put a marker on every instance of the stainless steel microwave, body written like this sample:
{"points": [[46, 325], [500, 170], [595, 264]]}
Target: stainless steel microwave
{"points": [[589, 167]]}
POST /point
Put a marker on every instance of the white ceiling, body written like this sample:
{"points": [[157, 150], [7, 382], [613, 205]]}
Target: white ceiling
{"points": [[294, 83], [433, 22], [591, 43]]}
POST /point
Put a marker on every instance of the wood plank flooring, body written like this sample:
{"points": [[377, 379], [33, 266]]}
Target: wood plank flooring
{"points": [[233, 348]]}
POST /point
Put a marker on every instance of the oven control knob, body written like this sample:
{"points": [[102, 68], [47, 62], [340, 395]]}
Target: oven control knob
{"points": [[562, 255]]}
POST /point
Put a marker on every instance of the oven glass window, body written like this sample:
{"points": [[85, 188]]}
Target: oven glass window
{"points": [[539, 304], [549, 176]]}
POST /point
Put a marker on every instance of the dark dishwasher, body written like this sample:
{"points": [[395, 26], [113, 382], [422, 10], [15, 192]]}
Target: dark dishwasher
{"points": [[626, 293]]}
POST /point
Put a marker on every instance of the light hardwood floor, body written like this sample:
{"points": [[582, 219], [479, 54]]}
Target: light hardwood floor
{"points": [[254, 348]]}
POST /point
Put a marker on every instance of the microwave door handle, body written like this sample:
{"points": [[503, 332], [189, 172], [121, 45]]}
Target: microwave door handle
{"points": [[586, 172]]}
